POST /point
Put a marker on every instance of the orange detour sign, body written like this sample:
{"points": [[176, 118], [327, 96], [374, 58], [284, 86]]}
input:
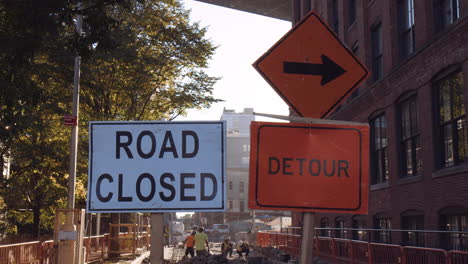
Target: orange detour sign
{"points": [[311, 69], [309, 167]]}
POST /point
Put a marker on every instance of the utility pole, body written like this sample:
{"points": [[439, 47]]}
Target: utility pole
{"points": [[67, 247], [75, 111]]}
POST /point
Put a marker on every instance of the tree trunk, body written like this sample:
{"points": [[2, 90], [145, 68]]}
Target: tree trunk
{"points": [[37, 222]]}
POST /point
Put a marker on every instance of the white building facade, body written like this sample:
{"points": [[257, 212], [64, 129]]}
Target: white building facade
{"points": [[238, 153]]}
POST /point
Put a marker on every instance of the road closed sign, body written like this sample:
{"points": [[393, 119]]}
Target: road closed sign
{"points": [[309, 167], [157, 166]]}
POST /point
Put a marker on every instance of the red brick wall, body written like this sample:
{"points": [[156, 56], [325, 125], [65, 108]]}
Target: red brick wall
{"points": [[429, 192]]}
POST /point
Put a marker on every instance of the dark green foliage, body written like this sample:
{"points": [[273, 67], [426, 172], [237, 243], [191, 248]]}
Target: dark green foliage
{"points": [[141, 60]]}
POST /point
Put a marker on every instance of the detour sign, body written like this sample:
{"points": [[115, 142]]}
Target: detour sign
{"points": [[309, 167]]}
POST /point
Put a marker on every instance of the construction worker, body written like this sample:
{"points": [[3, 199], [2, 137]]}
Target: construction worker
{"points": [[243, 247], [201, 243], [189, 244], [227, 248]]}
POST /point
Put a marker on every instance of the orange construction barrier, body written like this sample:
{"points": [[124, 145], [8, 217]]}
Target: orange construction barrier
{"points": [[418, 255]]}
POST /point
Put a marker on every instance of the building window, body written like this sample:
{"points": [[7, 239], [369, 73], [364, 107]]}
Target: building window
{"points": [[230, 204], [335, 18], [230, 185], [451, 116], [351, 11], [379, 152], [454, 219], [445, 13], [245, 160], [383, 223], [406, 27], [306, 6], [413, 220], [339, 223], [241, 187], [324, 224], [359, 222], [410, 152], [377, 52], [241, 206], [246, 147]]}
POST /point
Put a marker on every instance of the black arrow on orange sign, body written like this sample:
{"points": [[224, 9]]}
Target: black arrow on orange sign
{"points": [[329, 70]]}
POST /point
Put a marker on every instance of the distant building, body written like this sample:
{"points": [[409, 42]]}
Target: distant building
{"points": [[238, 153], [237, 169]]}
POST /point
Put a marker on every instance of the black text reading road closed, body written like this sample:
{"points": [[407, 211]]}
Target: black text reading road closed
{"points": [[150, 186]]}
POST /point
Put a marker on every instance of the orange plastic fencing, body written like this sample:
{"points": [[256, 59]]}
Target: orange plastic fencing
{"points": [[354, 251], [325, 247], [96, 248], [359, 251], [30, 252], [385, 253], [288, 243], [36, 252], [458, 257], [419, 255], [343, 250]]}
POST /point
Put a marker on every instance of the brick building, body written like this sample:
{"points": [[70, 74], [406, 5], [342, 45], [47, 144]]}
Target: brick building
{"points": [[417, 52], [415, 104]]}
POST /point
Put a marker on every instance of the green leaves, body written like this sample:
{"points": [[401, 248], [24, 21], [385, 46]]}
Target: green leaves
{"points": [[141, 60]]}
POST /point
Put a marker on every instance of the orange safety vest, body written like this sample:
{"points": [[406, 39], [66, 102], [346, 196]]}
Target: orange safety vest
{"points": [[190, 241]]}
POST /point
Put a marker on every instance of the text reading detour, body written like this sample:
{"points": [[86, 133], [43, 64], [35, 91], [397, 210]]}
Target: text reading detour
{"points": [[153, 167], [312, 167]]}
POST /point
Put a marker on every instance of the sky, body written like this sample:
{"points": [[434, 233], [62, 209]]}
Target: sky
{"points": [[241, 38]]}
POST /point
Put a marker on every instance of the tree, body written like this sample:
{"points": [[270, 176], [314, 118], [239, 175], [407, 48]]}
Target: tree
{"points": [[32, 29], [154, 71], [142, 60], [37, 184]]}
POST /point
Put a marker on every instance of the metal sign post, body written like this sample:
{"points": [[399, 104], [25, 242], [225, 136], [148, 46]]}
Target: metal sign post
{"points": [[308, 233], [157, 238], [67, 247]]}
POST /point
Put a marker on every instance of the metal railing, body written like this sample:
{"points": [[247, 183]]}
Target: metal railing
{"points": [[347, 250], [448, 240], [37, 252], [30, 252]]}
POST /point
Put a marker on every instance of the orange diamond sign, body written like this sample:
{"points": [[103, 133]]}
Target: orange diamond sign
{"points": [[311, 69]]}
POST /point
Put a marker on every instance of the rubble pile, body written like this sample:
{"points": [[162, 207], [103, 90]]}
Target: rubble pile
{"points": [[274, 255], [268, 255], [205, 260], [213, 259], [147, 261]]}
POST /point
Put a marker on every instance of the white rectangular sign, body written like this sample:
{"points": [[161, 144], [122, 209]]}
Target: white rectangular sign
{"points": [[157, 166]]}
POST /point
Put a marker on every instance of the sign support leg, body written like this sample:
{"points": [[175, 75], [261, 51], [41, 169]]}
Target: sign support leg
{"points": [[308, 232], [157, 238]]}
